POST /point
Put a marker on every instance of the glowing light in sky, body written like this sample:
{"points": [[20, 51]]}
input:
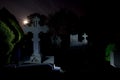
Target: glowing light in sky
{"points": [[26, 21]]}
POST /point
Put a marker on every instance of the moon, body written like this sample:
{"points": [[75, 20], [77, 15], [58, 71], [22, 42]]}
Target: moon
{"points": [[26, 21]]}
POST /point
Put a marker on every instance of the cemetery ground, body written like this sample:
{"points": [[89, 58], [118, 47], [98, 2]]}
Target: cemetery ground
{"points": [[81, 62]]}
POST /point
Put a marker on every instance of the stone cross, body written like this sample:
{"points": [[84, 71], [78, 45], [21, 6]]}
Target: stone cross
{"points": [[35, 28], [84, 41]]}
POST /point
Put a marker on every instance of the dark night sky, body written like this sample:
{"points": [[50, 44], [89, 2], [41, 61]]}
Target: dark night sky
{"points": [[23, 8]]}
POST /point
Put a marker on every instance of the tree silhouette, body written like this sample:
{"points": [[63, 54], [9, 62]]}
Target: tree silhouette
{"points": [[63, 22], [43, 18], [10, 34]]}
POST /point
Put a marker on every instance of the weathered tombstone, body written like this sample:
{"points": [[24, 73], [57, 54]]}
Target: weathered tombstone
{"points": [[115, 59], [35, 28], [56, 40], [74, 40], [112, 60]]}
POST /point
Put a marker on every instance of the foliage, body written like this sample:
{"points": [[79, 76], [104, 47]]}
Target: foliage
{"points": [[6, 42], [109, 49], [10, 34], [17, 27], [6, 37], [12, 23]]}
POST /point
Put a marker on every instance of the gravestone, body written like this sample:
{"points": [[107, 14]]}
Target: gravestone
{"points": [[112, 60], [115, 59], [56, 40], [74, 41], [35, 28], [85, 41]]}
